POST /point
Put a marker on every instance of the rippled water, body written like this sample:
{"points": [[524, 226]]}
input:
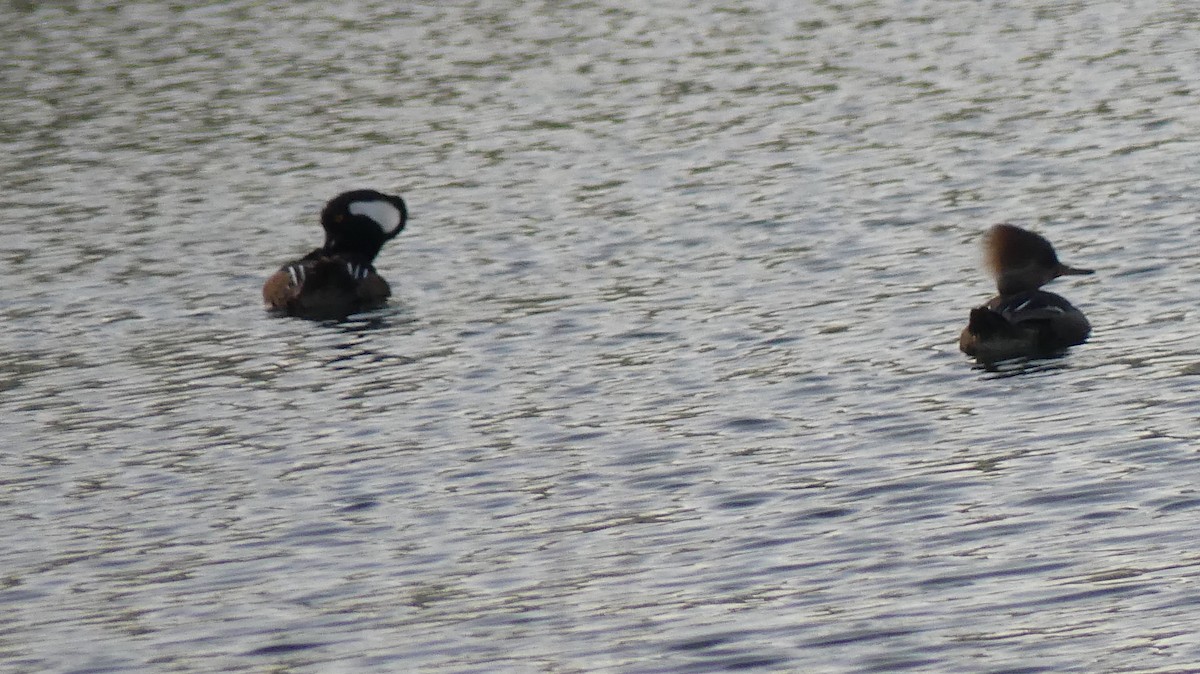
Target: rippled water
{"points": [[670, 382]]}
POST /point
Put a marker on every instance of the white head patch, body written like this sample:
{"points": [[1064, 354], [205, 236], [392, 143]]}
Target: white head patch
{"points": [[384, 213]]}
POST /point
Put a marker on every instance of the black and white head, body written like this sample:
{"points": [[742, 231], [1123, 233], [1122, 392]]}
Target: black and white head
{"points": [[358, 223]]}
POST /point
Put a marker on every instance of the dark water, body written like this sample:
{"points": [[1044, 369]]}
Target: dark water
{"points": [[670, 382]]}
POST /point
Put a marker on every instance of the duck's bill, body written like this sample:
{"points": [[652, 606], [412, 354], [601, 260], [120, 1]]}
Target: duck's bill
{"points": [[1064, 270]]}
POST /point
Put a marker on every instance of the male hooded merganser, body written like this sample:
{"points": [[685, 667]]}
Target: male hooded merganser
{"points": [[1023, 320], [337, 279]]}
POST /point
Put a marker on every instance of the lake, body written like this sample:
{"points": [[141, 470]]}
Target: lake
{"points": [[670, 380]]}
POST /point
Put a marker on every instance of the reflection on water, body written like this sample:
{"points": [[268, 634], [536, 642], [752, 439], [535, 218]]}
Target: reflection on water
{"points": [[1017, 367], [670, 380]]}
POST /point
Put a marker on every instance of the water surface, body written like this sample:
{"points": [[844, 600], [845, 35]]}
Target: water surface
{"points": [[670, 380]]}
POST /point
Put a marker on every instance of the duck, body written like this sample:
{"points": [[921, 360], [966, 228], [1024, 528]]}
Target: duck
{"points": [[1023, 320], [339, 278]]}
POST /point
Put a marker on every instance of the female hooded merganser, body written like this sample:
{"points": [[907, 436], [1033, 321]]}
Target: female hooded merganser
{"points": [[337, 279], [1023, 320]]}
